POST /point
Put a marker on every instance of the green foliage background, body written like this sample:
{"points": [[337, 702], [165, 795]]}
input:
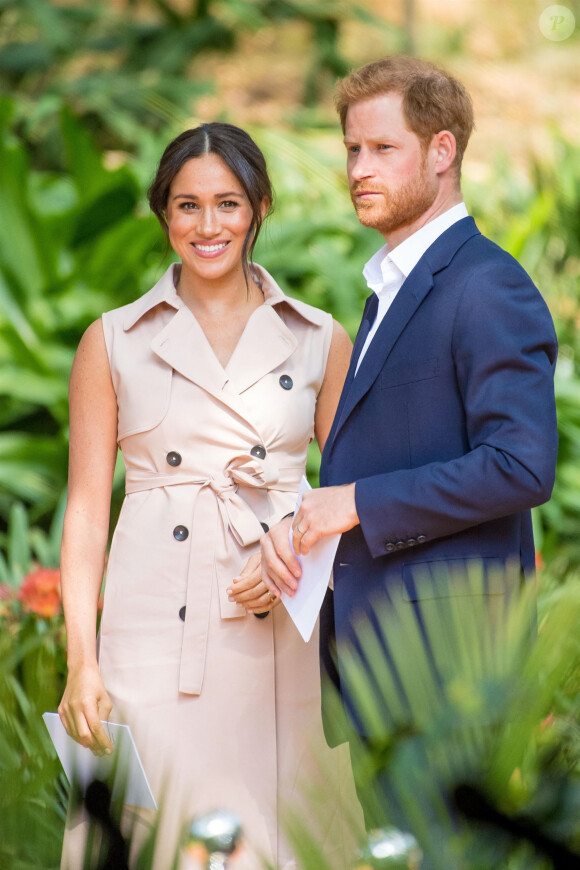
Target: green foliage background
{"points": [[89, 96]]}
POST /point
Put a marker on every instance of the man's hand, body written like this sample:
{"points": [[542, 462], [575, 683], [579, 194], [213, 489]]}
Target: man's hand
{"points": [[327, 511], [330, 510]]}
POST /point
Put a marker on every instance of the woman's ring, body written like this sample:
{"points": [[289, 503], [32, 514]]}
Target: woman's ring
{"points": [[270, 596]]}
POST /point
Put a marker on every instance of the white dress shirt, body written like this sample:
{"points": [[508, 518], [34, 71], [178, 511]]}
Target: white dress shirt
{"points": [[386, 271]]}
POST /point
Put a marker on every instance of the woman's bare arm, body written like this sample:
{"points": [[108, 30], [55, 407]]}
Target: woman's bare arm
{"points": [[334, 377], [92, 456]]}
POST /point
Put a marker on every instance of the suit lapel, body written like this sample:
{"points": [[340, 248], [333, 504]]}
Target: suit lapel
{"points": [[368, 317], [412, 293], [406, 302]]}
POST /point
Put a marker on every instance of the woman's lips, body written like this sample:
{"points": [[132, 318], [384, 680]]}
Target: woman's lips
{"points": [[209, 250]]}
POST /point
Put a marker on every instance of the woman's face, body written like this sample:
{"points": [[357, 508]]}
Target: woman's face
{"points": [[208, 218]]}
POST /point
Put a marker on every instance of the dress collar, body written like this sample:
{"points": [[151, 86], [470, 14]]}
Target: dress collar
{"points": [[164, 292]]}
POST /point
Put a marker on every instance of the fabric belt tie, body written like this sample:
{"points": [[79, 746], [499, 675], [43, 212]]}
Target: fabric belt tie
{"points": [[233, 516]]}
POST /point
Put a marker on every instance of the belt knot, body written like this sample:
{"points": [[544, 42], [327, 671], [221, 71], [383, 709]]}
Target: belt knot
{"points": [[223, 485]]}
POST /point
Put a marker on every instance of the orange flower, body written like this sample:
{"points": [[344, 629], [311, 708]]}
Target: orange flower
{"points": [[548, 721], [6, 598], [40, 592]]}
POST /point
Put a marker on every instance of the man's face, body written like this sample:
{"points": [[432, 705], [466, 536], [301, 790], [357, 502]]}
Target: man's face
{"points": [[391, 176]]}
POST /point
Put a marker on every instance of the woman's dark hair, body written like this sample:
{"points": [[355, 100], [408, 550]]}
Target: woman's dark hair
{"points": [[240, 154]]}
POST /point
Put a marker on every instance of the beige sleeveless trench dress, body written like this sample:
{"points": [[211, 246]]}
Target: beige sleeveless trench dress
{"points": [[224, 707]]}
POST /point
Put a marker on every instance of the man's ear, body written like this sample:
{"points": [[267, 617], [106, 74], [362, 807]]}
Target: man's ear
{"points": [[443, 149]]}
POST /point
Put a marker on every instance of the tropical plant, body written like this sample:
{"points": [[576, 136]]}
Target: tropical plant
{"points": [[72, 247], [125, 68], [537, 221], [471, 719], [32, 668]]}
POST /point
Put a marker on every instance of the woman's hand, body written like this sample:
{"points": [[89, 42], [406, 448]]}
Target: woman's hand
{"points": [[84, 703], [249, 589], [280, 568]]}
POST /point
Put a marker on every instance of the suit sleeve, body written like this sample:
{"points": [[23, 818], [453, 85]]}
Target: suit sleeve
{"points": [[504, 352]]}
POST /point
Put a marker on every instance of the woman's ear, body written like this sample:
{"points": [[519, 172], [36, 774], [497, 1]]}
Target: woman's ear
{"points": [[265, 206]]}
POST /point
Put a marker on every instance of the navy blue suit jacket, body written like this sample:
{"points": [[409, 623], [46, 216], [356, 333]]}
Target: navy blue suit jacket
{"points": [[448, 428]]}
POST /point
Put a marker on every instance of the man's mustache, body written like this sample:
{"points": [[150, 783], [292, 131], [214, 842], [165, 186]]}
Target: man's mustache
{"points": [[357, 188]]}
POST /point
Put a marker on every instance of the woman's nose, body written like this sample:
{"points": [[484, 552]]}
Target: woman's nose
{"points": [[209, 223]]}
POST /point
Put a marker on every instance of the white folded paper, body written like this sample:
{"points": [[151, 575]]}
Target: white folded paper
{"points": [[304, 606], [123, 769]]}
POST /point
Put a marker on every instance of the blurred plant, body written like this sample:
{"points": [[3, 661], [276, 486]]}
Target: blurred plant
{"points": [[537, 220], [32, 668], [73, 246], [470, 746], [126, 68], [456, 692]]}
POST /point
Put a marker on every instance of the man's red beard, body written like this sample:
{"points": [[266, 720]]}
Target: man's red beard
{"points": [[389, 211]]}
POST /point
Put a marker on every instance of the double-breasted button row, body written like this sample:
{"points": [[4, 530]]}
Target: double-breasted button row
{"points": [[391, 546]]}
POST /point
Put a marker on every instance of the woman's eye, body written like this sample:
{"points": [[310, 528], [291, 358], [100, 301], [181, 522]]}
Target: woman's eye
{"points": [[229, 203], [188, 206]]}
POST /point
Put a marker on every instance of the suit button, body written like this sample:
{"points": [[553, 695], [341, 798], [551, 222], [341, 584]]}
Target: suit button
{"points": [[401, 545], [389, 547], [180, 533], [421, 539], [286, 382], [411, 542], [258, 451], [173, 458], [265, 526], [182, 613]]}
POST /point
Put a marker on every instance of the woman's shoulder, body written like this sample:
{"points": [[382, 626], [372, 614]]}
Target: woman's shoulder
{"points": [[289, 305], [128, 315]]}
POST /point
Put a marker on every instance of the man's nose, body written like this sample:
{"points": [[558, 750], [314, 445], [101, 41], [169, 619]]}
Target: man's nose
{"points": [[361, 166]]}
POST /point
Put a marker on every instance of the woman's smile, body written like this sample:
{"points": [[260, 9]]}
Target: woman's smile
{"points": [[209, 251]]}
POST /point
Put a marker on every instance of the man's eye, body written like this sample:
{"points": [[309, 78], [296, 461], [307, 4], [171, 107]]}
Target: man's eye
{"points": [[353, 149]]}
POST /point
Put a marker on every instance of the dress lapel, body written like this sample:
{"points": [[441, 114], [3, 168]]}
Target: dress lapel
{"points": [[265, 344], [183, 346]]}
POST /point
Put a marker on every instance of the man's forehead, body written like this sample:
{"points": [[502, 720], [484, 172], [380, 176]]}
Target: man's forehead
{"points": [[376, 117]]}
